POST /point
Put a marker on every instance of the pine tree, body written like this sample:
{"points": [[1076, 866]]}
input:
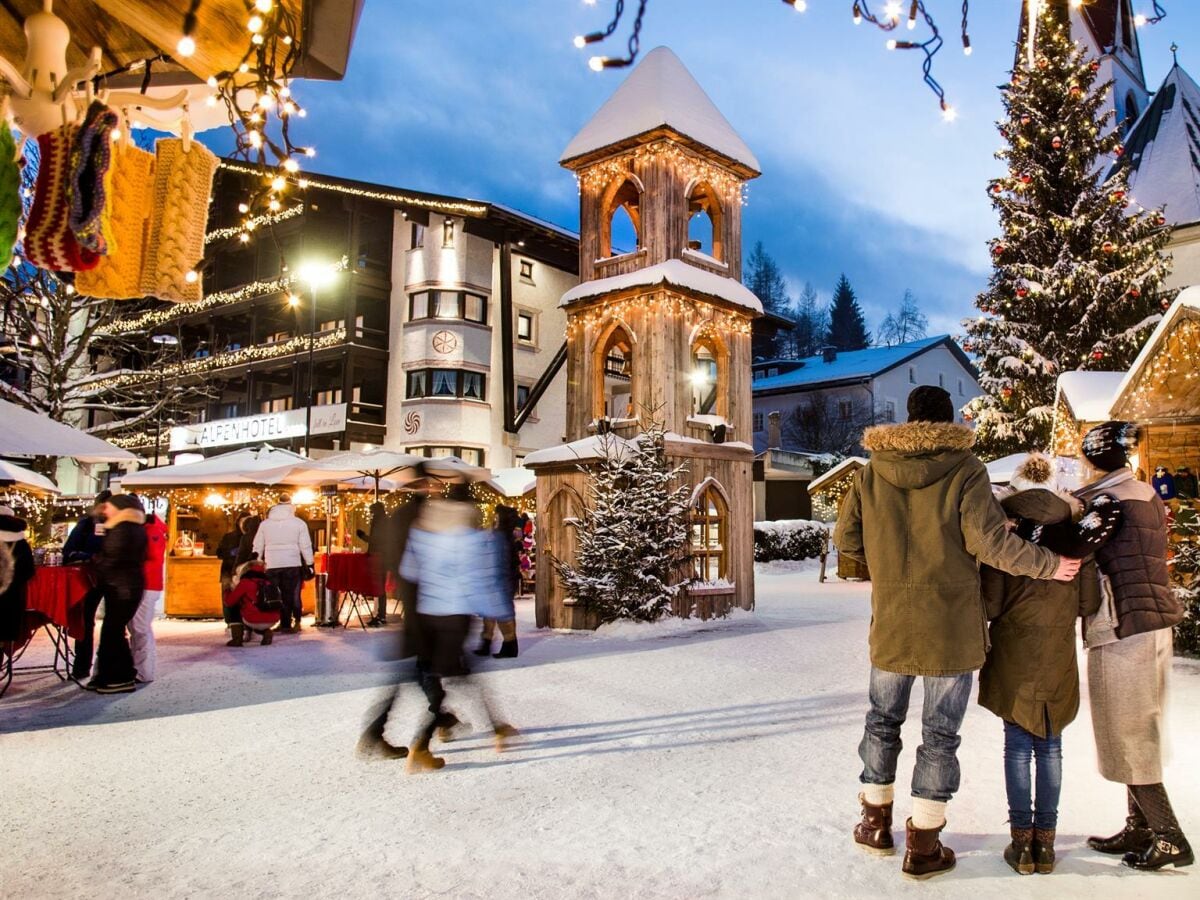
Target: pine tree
{"points": [[633, 535], [766, 283], [1076, 277], [906, 324], [809, 335], [1185, 577], [847, 326]]}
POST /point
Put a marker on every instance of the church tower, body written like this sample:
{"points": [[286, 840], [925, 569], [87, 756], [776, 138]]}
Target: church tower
{"points": [[659, 326]]}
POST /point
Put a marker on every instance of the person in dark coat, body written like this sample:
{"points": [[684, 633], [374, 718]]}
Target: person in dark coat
{"points": [[121, 573], [1031, 678], [20, 573], [378, 540], [82, 545], [512, 537], [1185, 484], [227, 551], [249, 528], [1129, 655]]}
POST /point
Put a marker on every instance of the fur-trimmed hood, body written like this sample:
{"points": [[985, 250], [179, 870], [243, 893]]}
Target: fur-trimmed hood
{"points": [[916, 454]]}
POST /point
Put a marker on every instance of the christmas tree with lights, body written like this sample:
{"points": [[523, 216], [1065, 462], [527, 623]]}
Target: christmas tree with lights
{"points": [[1078, 265]]}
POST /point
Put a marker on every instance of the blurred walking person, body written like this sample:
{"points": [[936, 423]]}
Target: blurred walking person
{"points": [[511, 536], [120, 566], [459, 571]]}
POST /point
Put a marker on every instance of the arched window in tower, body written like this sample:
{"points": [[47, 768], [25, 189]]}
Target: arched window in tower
{"points": [[621, 218], [704, 221], [709, 376], [710, 533], [1131, 110], [613, 375]]}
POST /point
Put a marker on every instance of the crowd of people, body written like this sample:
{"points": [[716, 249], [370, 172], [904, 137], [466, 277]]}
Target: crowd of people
{"points": [[964, 581]]}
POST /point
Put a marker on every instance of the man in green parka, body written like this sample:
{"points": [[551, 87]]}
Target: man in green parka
{"points": [[922, 516]]}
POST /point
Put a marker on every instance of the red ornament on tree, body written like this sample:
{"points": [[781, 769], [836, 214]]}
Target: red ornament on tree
{"points": [[996, 189], [1097, 354], [1076, 90], [1134, 293], [1026, 178], [1120, 151], [1056, 143], [1095, 66], [1165, 303], [1025, 120], [997, 249], [968, 417], [1108, 247], [1160, 220], [1022, 292], [1006, 392], [1116, 196]]}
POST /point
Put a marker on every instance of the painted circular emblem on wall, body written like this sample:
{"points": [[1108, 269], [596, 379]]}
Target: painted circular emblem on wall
{"points": [[445, 342], [412, 422]]}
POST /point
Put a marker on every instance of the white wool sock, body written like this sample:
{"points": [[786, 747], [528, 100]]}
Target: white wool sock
{"points": [[928, 814], [878, 794]]}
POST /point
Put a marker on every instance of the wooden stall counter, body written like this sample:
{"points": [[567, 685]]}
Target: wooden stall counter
{"points": [[193, 588]]}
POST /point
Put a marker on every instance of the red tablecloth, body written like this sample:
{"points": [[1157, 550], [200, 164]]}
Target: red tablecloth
{"points": [[57, 593], [352, 572]]}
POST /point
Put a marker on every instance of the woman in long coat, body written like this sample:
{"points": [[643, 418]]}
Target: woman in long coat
{"points": [[1129, 655], [120, 566]]}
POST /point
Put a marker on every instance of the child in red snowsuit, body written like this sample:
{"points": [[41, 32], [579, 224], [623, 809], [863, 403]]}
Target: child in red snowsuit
{"points": [[242, 604]]}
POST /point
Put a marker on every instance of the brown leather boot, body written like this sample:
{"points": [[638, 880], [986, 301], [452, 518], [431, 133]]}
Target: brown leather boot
{"points": [[423, 761], [874, 832], [1019, 854], [1135, 837], [925, 856], [1043, 850]]}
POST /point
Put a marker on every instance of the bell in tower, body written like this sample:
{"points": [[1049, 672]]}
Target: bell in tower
{"points": [[659, 327]]}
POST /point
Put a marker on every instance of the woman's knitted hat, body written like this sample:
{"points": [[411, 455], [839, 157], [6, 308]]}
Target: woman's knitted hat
{"points": [[1107, 446], [12, 527], [1035, 472], [930, 404]]}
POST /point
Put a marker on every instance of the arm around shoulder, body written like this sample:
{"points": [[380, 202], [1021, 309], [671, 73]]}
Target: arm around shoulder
{"points": [[986, 535]]}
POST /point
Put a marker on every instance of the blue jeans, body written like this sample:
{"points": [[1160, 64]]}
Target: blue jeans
{"points": [[1020, 748], [936, 774]]}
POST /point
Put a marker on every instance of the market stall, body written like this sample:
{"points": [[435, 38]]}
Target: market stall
{"points": [[827, 492], [202, 502]]}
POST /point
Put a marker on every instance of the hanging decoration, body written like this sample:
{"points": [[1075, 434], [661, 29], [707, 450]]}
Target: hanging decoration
{"points": [[10, 197], [118, 276], [49, 241], [887, 20]]}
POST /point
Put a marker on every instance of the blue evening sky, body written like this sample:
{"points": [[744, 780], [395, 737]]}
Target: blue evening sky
{"points": [[860, 174]]}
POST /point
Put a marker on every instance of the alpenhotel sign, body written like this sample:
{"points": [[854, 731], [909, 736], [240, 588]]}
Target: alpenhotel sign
{"points": [[262, 429]]}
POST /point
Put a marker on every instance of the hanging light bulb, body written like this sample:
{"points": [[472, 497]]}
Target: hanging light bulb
{"points": [[278, 183], [263, 6], [191, 276], [254, 26], [186, 46], [290, 165]]}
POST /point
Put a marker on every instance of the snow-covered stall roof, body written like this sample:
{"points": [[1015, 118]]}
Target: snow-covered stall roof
{"points": [[851, 464], [1163, 150], [248, 465], [1186, 304], [1089, 394], [659, 93], [26, 479], [587, 448], [515, 482], [672, 273], [27, 433]]}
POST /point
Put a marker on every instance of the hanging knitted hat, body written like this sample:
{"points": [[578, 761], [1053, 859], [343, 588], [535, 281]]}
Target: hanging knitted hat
{"points": [[88, 190], [119, 275], [10, 197], [49, 242], [182, 185]]}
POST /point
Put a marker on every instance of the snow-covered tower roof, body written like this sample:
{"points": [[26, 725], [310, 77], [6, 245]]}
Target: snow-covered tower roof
{"points": [[1163, 150], [660, 94]]}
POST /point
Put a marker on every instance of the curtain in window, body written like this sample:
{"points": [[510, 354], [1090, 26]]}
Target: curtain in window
{"points": [[444, 383], [473, 385]]}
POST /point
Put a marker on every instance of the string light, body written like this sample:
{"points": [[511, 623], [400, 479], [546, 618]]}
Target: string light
{"points": [[187, 44], [666, 301]]}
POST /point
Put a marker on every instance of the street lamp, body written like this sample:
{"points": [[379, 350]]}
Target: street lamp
{"points": [[316, 275], [162, 341]]}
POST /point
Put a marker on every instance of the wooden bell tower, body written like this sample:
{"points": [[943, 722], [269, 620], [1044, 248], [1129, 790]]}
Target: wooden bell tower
{"points": [[659, 326]]}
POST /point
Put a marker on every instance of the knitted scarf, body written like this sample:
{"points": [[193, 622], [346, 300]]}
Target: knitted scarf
{"points": [[49, 242]]}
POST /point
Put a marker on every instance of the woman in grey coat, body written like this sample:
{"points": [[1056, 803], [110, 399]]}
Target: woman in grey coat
{"points": [[1129, 655]]}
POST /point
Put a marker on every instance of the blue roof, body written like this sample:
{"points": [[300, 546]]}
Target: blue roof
{"points": [[854, 365]]}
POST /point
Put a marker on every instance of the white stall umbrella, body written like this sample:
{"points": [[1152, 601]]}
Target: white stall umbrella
{"points": [[26, 433], [516, 482], [352, 468], [250, 465]]}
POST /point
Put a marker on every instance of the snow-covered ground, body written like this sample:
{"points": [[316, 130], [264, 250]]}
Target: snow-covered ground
{"points": [[707, 761]]}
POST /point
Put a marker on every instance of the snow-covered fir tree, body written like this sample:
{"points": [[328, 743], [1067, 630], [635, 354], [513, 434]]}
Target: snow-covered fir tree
{"points": [[766, 281], [1185, 578], [632, 537], [847, 325], [1076, 270]]}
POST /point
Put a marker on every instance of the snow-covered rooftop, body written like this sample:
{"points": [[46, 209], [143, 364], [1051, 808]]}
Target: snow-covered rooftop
{"points": [[1090, 394], [851, 364], [583, 449], [660, 92], [673, 272], [852, 463], [1187, 301], [1163, 149]]}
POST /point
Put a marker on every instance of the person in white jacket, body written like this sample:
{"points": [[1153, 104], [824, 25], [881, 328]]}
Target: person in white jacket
{"points": [[285, 546]]}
